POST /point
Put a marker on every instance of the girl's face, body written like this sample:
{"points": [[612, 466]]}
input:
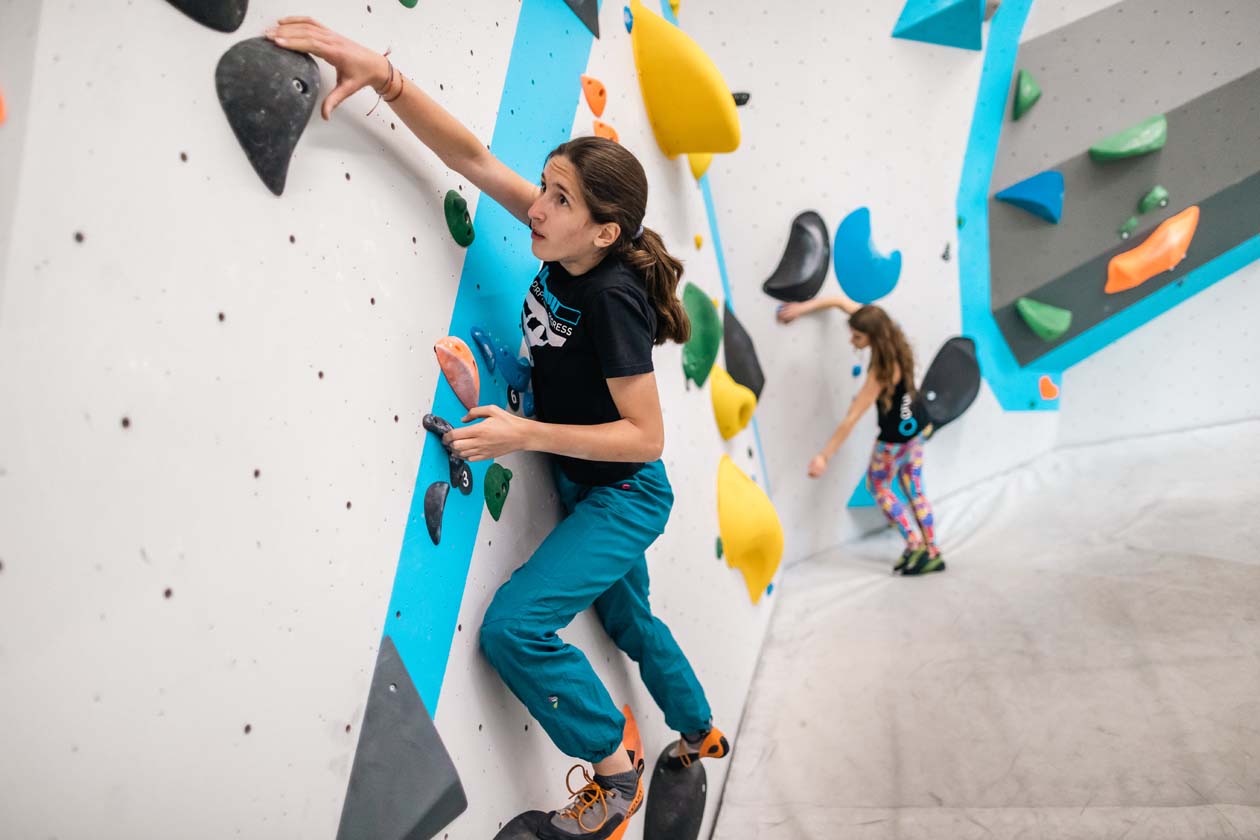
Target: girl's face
{"points": [[561, 227], [859, 339]]}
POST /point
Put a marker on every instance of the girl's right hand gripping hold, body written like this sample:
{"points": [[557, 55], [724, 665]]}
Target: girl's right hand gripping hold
{"points": [[357, 67]]}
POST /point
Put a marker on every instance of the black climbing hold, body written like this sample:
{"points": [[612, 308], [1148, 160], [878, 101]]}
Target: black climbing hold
{"points": [[675, 802], [741, 99], [741, 356], [268, 95], [223, 15], [524, 827], [514, 399], [951, 383], [587, 12], [435, 424], [805, 260], [434, 505], [403, 782]]}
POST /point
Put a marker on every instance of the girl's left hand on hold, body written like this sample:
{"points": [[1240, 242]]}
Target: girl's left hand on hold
{"points": [[817, 466], [499, 433]]}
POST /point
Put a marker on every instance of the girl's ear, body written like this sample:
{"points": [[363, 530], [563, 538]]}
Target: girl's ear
{"points": [[607, 234]]}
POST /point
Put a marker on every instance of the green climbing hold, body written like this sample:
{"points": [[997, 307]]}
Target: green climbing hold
{"points": [[719, 548], [1027, 92], [961, 222], [410, 4], [457, 218], [1157, 197], [496, 484], [1141, 139], [701, 349], [1126, 229], [1049, 322]]}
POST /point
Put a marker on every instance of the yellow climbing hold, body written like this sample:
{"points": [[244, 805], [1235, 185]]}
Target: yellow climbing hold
{"points": [[673, 5], [733, 404], [699, 245], [689, 105], [752, 535], [699, 164]]}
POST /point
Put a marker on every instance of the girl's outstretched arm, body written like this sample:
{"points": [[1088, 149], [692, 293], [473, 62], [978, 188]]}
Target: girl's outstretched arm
{"points": [[863, 400], [358, 67], [789, 312]]}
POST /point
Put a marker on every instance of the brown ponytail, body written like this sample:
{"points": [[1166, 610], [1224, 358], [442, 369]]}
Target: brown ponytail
{"points": [[614, 187], [890, 352]]}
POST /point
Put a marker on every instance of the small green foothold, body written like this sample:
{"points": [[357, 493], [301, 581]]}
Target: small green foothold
{"points": [[1126, 229], [962, 223], [1145, 137], [457, 218], [1049, 322], [410, 4], [700, 351], [1157, 197], [719, 548], [1027, 92], [496, 484]]}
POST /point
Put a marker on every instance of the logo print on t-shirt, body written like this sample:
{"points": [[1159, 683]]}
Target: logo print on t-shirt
{"points": [[546, 321]]}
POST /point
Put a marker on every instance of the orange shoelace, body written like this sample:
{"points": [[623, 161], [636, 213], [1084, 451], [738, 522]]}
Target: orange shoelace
{"points": [[584, 798]]}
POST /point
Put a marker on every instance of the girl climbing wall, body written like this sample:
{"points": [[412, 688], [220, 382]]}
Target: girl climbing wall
{"points": [[898, 452], [604, 296]]}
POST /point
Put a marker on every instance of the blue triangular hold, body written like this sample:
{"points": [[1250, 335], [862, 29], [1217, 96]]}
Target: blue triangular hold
{"points": [[950, 23], [1041, 195], [862, 497]]}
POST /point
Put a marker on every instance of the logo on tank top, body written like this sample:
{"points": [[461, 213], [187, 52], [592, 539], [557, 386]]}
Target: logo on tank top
{"points": [[908, 424], [546, 321]]}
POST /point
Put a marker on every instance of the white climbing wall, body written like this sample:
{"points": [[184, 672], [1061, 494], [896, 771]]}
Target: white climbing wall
{"points": [[210, 433], [840, 118]]}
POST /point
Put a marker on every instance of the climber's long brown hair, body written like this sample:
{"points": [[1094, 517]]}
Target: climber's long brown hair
{"points": [[889, 351]]}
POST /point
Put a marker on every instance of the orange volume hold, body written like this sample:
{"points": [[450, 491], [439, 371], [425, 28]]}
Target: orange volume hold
{"points": [[1162, 251], [596, 95], [603, 129], [460, 369]]}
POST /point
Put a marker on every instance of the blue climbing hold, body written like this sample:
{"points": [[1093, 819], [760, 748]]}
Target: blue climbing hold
{"points": [[1041, 195], [857, 370], [516, 371], [770, 589], [629, 16], [484, 347], [527, 403], [950, 23], [864, 274]]}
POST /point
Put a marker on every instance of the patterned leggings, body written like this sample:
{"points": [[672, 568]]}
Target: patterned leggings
{"points": [[903, 461]]}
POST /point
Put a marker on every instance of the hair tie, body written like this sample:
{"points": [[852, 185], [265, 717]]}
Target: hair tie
{"points": [[638, 234]]}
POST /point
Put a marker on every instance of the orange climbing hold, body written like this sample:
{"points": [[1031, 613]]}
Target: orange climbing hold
{"points": [[460, 369], [603, 129], [596, 95], [1049, 391], [1162, 251]]}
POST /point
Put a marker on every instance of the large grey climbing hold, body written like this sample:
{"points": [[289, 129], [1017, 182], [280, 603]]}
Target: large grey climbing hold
{"points": [[805, 260], [403, 784], [268, 95], [223, 15]]}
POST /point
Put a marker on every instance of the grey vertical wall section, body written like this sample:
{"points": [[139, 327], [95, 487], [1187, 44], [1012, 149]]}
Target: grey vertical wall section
{"points": [[403, 785], [1102, 74], [19, 25]]}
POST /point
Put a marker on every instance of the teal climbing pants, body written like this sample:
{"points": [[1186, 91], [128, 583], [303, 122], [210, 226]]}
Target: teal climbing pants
{"points": [[594, 557]]}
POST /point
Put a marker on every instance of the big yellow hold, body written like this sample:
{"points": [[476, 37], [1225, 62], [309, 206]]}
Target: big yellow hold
{"points": [[689, 104], [752, 536], [733, 404]]}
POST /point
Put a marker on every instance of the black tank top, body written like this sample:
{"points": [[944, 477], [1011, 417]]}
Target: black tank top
{"points": [[903, 420]]}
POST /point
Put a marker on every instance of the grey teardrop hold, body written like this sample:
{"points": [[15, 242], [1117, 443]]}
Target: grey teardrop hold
{"points": [[223, 15], [434, 506]]}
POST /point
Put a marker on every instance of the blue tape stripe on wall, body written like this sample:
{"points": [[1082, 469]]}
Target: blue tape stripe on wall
{"points": [[1017, 388], [716, 240], [540, 95]]}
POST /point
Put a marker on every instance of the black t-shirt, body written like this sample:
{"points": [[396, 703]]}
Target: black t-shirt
{"points": [[581, 331], [903, 420]]}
